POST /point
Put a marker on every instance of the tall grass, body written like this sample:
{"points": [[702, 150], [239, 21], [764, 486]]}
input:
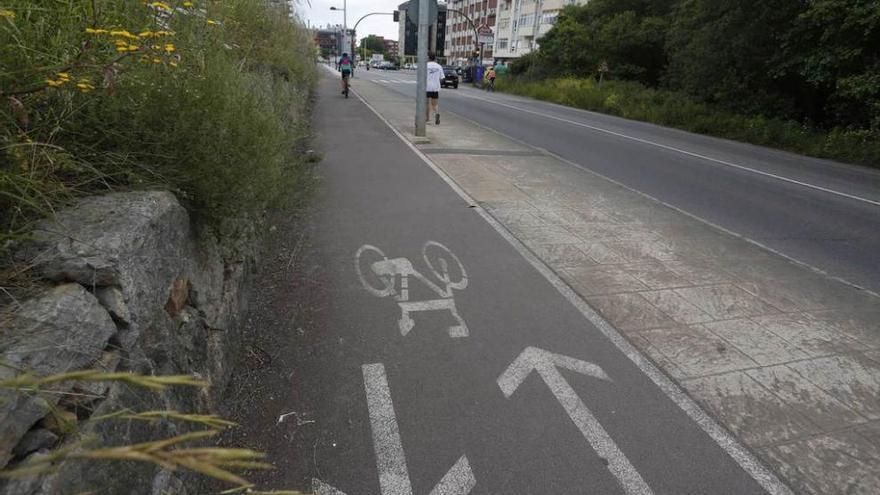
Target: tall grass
{"points": [[632, 100], [174, 453], [205, 98]]}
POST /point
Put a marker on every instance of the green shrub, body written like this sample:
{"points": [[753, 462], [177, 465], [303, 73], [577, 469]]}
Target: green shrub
{"points": [[205, 98], [632, 100]]}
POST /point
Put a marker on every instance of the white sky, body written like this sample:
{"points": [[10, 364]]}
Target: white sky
{"points": [[319, 14]]}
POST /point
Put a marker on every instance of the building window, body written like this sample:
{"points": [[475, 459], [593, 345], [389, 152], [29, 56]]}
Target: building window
{"points": [[526, 20], [501, 44], [504, 24], [550, 17]]}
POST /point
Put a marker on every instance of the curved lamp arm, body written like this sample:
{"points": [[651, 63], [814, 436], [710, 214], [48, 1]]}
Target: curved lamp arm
{"points": [[474, 26]]}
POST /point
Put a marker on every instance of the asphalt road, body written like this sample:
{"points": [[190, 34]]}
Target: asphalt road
{"points": [[497, 383], [818, 212]]}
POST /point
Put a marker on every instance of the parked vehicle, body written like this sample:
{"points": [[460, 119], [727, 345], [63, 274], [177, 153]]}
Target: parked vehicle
{"points": [[450, 77], [387, 66]]}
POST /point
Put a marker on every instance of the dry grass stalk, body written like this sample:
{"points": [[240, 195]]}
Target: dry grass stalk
{"points": [[209, 461], [28, 382]]}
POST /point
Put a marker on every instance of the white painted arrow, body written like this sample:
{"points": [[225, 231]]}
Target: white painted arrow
{"points": [[546, 364], [390, 460]]}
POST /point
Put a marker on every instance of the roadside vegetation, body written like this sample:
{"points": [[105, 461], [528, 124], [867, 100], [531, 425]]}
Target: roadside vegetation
{"points": [[180, 452], [205, 98], [208, 99], [801, 76]]}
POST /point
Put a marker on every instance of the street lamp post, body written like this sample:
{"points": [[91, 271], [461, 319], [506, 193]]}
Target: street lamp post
{"points": [[344, 10], [364, 46], [477, 44]]}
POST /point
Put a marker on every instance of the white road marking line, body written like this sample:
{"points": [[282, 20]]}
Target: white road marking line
{"points": [[676, 208], [748, 462], [679, 150], [321, 488], [390, 459], [458, 481], [545, 364]]}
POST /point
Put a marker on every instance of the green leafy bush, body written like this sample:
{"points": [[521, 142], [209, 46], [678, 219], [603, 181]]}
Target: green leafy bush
{"points": [[206, 98]]}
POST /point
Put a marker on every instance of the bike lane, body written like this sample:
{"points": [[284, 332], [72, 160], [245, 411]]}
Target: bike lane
{"points": [[447, 363]]}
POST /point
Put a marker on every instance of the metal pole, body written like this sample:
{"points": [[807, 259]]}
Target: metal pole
{"points": [[345, 26], [422, 73]]}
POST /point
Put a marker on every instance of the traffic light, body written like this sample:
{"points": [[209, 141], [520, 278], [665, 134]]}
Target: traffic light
{"points": [[396, 16]]}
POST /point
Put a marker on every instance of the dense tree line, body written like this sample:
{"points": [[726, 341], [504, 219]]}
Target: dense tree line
{"points": [[817, 61]]}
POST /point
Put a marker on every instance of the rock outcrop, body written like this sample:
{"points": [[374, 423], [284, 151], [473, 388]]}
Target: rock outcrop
{"points": [[139, 289]]}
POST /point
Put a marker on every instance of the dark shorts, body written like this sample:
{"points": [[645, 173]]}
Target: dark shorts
{"points": [[433, 95], [346, 74]]}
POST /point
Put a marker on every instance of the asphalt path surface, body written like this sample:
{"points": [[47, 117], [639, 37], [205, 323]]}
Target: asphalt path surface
{"points": [[497, 382], [820, 213]]}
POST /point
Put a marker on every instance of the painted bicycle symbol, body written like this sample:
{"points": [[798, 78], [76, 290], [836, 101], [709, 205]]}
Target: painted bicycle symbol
{"points": [[384, 277]]}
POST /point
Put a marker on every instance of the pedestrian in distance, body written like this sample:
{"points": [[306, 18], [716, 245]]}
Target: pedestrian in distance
{"points": [[435, 75]]}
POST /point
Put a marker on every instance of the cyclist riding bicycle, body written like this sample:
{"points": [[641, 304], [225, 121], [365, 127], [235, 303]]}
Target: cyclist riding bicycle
{"points": [[346, 67], [490, 76]]}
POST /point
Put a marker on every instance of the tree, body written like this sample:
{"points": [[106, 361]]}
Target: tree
{"points": [[832, 55], [628, 35], [722, 52], [373, 43]]}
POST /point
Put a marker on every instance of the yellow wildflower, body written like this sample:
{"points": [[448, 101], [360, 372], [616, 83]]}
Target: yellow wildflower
{"points": [[172, 63], [85, 85], [188, 5], [127, 48], [169, 48], [96, 31], [123, 34], [7, 14], [64, 76], [160, 6], [211, 22], [53, 83], [157, 60]]}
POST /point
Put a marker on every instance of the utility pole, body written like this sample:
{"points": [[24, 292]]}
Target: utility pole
{"points": [[422, 73], [345, 27]]}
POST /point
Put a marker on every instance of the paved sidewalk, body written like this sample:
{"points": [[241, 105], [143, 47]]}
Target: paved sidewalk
{"points": [[785, 357]]}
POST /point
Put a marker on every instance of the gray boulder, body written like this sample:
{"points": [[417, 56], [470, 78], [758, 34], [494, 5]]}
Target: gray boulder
{"points": [[65, 329]]}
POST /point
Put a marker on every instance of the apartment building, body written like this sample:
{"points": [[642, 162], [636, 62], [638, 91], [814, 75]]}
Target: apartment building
{"points": [[408, 33], [522, 23], [460, 42], [391, 47], [330, 41]]}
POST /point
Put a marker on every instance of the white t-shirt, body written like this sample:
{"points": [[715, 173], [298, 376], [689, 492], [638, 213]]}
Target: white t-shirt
{"points": [[435, 74]]}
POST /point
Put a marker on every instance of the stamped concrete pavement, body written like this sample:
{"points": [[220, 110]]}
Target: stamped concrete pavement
{"points": [[784, 357]]}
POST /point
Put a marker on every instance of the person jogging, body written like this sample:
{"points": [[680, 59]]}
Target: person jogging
{"points": [[435, 75], [346, 67]]}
